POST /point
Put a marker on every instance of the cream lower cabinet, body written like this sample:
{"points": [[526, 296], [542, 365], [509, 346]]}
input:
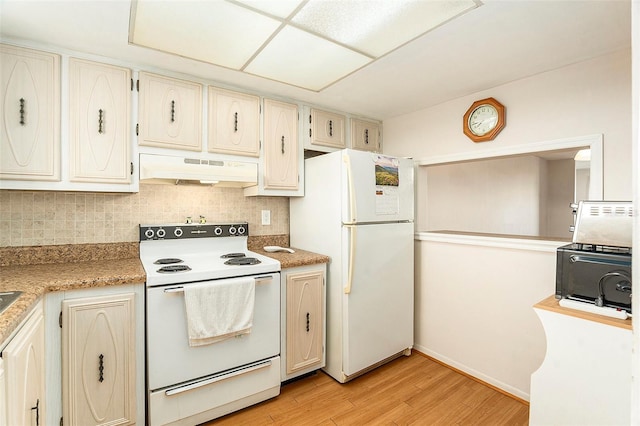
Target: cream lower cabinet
{"points": [[98, 360], [24, 375], [303, 319], [99, 123], [3, 395]]}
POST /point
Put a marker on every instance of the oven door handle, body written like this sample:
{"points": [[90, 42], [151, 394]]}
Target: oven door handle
{"points": [[217, 378], [259, 280]]}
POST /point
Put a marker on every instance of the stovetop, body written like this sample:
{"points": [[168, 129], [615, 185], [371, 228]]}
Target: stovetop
{"points": [[181, 253]]}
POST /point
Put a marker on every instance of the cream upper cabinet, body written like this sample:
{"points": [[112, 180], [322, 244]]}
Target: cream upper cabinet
{"points": [[24, 362], [365, 135], [29, 114], [99, 122], [304, 320], [324, 131], [170, 112], [281, 153], [234, 122], [98, 360]]}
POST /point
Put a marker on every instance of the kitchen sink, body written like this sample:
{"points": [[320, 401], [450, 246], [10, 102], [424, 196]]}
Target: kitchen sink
{"points": [[7, 298]]}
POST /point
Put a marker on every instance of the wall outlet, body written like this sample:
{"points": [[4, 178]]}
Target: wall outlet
{"points": [[266, 217]]}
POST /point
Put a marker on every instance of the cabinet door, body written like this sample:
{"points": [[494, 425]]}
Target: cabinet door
{"points": [[3, 395], [99, 124], [234, 122], [24, 365], [98, 360], [327, 129], [365, 135], [280, 145], [29, 114], [171, 112], [304, 320]]}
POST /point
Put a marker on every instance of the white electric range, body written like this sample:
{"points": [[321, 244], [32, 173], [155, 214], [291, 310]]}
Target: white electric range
{"points": [[190, 385]]}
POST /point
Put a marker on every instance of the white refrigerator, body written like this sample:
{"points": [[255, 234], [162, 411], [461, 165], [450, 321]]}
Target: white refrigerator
{"points": [[358, 209]]}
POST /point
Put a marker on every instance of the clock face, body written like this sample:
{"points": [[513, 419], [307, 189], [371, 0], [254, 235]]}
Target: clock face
{"points": [[483, 119]]}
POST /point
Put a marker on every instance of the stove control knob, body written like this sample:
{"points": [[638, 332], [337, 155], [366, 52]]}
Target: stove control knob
{"points": [[161, 233], [232, 230], [177, 232], [241, 230], [149, 233], [217, 231]]}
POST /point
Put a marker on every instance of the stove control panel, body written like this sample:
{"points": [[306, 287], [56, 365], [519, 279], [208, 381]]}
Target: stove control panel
{"points": [[193, 230]]}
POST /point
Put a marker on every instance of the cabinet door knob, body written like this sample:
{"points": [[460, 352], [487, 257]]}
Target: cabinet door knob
{"points": [[100, 121], [282, 144], [366, 136], [101, 368], [37, 408], [308, 321], [330, 127], [235, 122], [173, 111], [22, 112]]}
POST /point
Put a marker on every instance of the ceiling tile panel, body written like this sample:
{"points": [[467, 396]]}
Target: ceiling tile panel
{"points": [[211, 31]]}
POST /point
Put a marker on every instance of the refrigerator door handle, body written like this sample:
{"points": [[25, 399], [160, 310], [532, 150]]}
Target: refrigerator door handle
{"points": [[352, 255], [352, 196]]}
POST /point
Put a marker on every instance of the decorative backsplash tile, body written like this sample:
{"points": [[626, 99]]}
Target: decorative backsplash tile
{"points": [[29, 218]]}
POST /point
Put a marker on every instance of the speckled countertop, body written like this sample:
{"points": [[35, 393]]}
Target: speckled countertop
{"points": [[292, 260], [60, 268], [42, 269]]}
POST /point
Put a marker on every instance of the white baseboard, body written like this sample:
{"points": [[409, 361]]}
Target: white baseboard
{"points": [[518, 393]]}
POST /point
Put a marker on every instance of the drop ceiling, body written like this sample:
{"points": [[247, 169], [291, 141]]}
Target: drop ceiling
{"points": [[483, 47], [288, 41]]}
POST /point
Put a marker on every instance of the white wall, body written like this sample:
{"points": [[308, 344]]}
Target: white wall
{"points": [[474, 298], [523, 195], [496, 336], [587, 98]]}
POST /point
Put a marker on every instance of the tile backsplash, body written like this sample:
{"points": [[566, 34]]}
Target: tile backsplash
{"points": [[29, 218]]}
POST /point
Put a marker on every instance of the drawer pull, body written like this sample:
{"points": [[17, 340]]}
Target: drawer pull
{"points": [[217, 377]]}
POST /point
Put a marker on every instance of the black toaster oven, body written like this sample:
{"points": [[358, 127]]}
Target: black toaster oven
{"points": [[594, 274]]}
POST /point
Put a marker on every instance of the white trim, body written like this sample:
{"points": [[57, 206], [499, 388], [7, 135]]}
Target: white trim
{"points": [[547, 246], [487, 379], [635, 164], [595, 142]]}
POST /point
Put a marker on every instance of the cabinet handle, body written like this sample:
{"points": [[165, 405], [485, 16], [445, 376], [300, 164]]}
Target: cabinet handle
{"points": [[235, 122], [330, 127], [308, 320], [100, 121], [173, 111], [282, 144], [37, 408], [22, 122], [101, 368], [366, 136]]}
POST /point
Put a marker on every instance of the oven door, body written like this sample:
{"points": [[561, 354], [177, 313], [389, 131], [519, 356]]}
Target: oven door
{"points": [[170, 359]]}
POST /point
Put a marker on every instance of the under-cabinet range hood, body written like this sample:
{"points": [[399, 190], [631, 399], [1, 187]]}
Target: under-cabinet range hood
{"points": [[155, 168]]}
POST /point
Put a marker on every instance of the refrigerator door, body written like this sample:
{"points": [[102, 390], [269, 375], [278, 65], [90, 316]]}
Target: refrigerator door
{"points": [[376, 188], [378, 301]]}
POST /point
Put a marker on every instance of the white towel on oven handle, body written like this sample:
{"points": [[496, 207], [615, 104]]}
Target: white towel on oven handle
{"points": [[219, 310]]}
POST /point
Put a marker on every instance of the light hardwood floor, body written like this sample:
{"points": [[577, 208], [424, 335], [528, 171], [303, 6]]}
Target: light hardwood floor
{"points": [[412, 390]]}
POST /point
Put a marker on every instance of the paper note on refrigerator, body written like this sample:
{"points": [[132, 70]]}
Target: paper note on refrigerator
{"points": [[387, 200]]}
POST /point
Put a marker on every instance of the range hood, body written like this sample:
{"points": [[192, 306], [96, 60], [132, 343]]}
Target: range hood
{"points": [[155, 168]]}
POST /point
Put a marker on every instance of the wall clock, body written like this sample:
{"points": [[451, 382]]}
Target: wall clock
{"points": [[484, 120]]}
